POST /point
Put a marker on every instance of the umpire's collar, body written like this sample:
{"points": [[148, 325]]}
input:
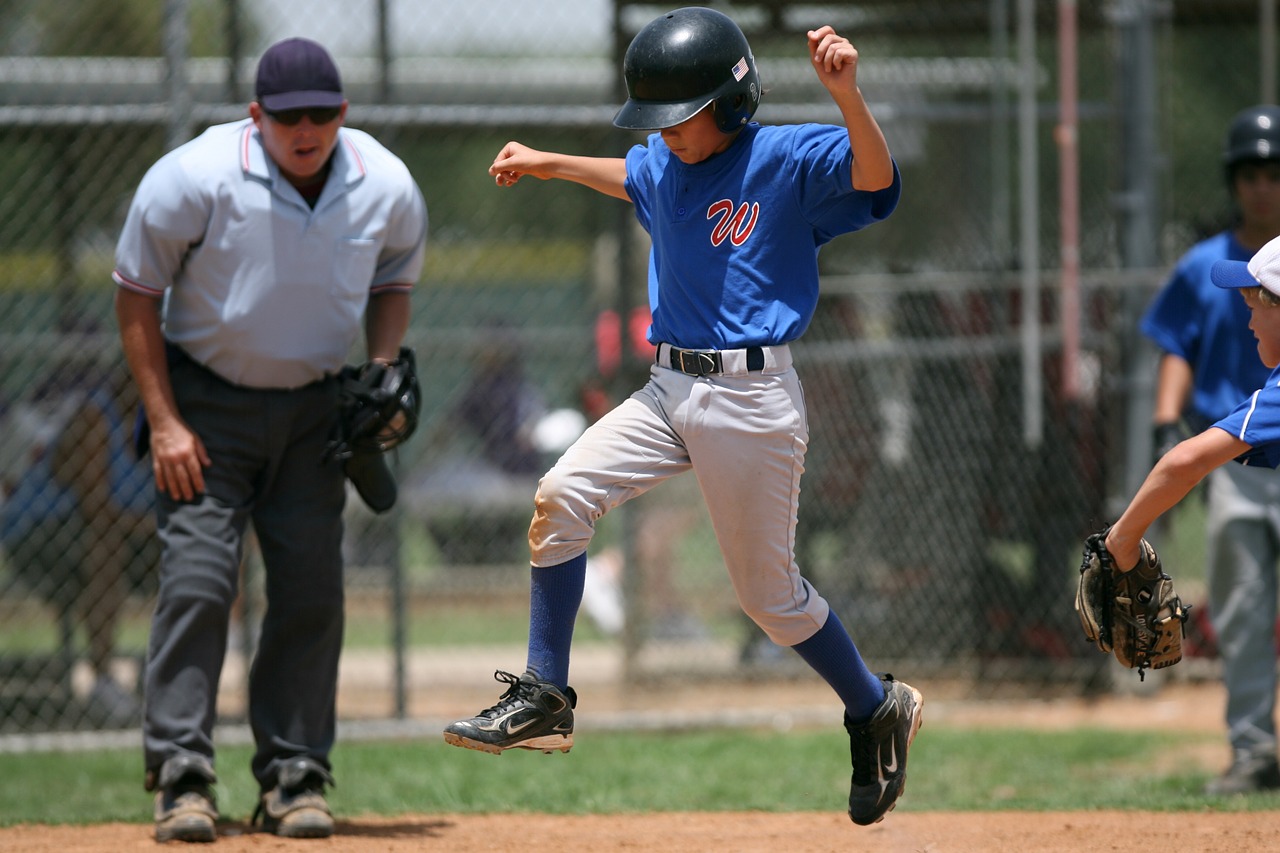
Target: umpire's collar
{"points": [[346, 169]]}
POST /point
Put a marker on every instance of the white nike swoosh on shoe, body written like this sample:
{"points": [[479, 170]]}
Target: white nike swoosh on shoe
{"points": [[496, 724], [892, 766], [511, 730]]}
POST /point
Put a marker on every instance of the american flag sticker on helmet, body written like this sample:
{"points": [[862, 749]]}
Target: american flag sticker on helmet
{"points": [[740, 70]]}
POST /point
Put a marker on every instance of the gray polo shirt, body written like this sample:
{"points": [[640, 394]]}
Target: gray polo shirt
{"points": [[258, 286]]}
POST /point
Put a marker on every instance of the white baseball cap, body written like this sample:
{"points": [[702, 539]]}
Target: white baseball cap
{"points": [[1263, 269]]}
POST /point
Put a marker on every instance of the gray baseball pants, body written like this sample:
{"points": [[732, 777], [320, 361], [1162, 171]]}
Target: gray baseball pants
{"points": [[266, 447], [744, 435], [1244, 547]]}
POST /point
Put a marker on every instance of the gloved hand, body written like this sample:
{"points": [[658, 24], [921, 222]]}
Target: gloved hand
{"points": [[1136, 615]]}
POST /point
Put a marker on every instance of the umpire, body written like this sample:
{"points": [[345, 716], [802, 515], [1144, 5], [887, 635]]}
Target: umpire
{"points": [[250, 259]]}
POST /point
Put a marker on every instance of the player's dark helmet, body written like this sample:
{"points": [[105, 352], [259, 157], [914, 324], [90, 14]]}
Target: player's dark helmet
{"points": [[1254, 135], [683, 61]]}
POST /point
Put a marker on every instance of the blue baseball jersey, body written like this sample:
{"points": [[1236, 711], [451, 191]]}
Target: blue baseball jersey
{"points": [[1208, 326], [735, 238], [1256, 421]]}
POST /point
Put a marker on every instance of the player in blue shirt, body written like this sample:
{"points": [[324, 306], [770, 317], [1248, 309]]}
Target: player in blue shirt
{"points": [[737, 212], [1209, 364], [1249, 435]]}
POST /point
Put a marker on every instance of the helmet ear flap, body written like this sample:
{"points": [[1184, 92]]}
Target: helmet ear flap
{"points": [[733, 111]]}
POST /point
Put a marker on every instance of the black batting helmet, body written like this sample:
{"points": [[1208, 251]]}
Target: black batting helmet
{"points": [[683, 61], [1254, 134]]}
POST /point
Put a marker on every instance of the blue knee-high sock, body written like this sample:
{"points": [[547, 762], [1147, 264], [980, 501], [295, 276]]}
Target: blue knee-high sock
{"points": [[833, 655], [555, 593]]}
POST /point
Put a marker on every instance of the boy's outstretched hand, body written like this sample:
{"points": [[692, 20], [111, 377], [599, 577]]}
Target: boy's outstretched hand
{"points": [[834, 59], [515, 161]]}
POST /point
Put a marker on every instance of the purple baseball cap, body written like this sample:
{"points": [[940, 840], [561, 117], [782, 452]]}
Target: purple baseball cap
{"points": [[297, 74], [1262, 270]]}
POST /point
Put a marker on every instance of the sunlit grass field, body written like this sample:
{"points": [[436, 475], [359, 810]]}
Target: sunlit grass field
{"points": [[608, 772]]}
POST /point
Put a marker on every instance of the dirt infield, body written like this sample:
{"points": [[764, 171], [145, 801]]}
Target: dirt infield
{"points": [[753, 832]]}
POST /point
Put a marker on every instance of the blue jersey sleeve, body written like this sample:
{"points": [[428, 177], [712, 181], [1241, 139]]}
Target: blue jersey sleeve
{"points": [[824, 183], [635, 189], [1172, 320], [1256, 422]]}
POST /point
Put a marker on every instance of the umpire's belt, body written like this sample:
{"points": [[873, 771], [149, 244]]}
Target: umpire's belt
{"points": [[725, 362]]}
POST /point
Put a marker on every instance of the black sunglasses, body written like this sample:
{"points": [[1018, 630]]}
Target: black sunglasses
{"points": [[318, 115]]}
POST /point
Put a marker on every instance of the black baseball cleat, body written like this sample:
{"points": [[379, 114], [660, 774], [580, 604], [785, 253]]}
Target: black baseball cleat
{"points": [[532, 714], [879, 747]]}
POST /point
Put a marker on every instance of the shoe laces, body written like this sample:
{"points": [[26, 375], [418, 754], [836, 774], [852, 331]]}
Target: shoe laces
{"points": [[514, 696]]}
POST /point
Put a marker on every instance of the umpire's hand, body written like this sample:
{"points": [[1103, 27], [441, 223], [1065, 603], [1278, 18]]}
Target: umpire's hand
{"points": [[178, 458]]}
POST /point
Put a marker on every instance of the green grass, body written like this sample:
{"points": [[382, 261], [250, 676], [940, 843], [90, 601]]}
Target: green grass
{"points": [[610, 772]]}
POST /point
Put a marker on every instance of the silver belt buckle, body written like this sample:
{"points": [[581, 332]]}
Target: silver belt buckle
{"points": [[697, 362]]}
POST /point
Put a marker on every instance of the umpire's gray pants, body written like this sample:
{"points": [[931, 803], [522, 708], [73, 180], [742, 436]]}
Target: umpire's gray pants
{"points": [[1244, 547], [265, 448]]}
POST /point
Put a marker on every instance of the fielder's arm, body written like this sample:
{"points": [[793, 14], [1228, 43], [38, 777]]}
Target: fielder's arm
{"points": [[1172, 478]]}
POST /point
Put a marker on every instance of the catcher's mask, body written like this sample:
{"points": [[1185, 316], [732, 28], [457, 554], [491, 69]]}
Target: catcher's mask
{"points": [[378, 407], [682, 61]]}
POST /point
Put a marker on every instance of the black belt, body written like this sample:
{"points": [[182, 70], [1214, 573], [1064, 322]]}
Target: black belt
{"points": [[695, 362], [176, 355]]}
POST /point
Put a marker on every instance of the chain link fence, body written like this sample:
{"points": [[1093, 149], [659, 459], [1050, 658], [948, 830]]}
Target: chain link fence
{"points": [[977, 406]]}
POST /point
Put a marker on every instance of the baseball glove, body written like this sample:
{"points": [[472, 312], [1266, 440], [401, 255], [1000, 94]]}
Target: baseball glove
{"points": [[1135, 615]]}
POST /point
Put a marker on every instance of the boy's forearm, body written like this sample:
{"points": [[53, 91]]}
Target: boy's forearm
{"points": [[1171, 480], [872, 162], [1157, 496], [607, 175]]}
